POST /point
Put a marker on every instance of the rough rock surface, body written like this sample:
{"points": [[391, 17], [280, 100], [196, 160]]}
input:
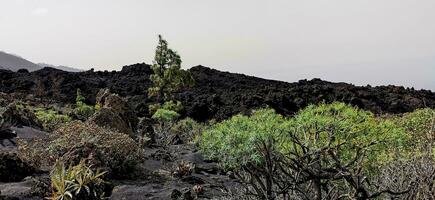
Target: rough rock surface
{"points": [[161, 181], [107, 118], [14, 115], [13, 168], [9, 141], [17, 190], [115, 113], [31, 188], [16, 121], [216, 94]]}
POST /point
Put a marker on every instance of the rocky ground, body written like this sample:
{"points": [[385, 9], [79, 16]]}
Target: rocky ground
{"points": [[216, 94], [174, 171]]}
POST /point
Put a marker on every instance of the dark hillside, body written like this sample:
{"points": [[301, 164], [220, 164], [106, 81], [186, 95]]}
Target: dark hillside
{"points": [[216, 94]]}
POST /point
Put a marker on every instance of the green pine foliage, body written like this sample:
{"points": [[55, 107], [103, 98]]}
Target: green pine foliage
{"points": [[167, 77]]}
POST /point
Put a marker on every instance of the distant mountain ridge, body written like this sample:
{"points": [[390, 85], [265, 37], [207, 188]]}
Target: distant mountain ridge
{"points": [[61, 67], [14, 63]]}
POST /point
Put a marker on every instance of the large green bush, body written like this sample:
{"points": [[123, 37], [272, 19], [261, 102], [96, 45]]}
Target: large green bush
{"points": [[349, 130], [321, 152], [233, 142]]}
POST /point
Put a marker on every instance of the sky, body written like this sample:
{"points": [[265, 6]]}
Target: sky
{"points": [[376, 42]]}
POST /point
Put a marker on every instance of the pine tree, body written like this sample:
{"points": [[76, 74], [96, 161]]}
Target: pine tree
{"points": [[167, 77]]}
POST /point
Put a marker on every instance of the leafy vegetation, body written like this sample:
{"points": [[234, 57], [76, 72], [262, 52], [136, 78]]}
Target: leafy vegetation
{"points": [[82, 110], [420, 125], [233, 141], [167, 78], [321, 152], [165, 120], [50, 118], [187, 129], [76, 182], [114, 152]]}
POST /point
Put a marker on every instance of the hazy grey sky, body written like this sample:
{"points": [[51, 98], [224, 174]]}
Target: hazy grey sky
{"points": [[358, 41]]}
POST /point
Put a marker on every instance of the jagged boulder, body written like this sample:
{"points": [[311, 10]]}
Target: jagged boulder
{"points": [[5, 130], [31, 188], [115, 113], [16, 115], [107, 118], [12, 168]]}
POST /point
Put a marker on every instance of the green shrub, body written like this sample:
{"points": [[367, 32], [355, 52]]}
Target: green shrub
{"points": [[76, 182], [50, 118], [351, 129], [82, 110], [164, 116], [165, 120], [420, 125], [233, 142], [319, 153], [187, 129], [114, 152], [175, 106], [97, 107]]}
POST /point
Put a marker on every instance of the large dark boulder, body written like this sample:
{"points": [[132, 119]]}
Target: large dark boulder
{"points": [[12, 168], [115, 113], [17, 115], [107, 118]]}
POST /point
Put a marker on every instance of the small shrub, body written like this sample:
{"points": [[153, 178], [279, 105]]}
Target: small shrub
{"points": [[163, 115], [187, 129], [114, 152], [165, 120], [76, 182], [50, 118], [82, 110], [183, 168], [97, 107], [34, 152], [168, 105]]}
